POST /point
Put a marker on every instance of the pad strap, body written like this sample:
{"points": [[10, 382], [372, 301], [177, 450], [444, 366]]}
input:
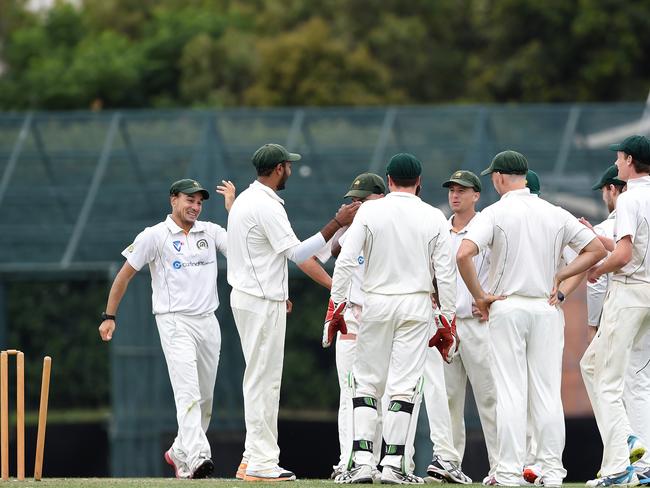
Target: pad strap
{"points": [[400, 406], [364, 402], [362, 445], [393, 449]]}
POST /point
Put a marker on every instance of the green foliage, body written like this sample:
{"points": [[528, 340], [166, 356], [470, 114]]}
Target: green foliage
{"points": [[59, 319], [149, 53]]}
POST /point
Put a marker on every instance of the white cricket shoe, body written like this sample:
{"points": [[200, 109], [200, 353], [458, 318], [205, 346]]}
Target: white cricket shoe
{"points": [[276, 473], [181, 471], [395, 476], [359, 474], [532, 474], [626, 478], [447, 471]]}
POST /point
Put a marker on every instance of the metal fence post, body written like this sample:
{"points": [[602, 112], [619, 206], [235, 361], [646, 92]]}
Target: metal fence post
{"points": [[15, 154]]}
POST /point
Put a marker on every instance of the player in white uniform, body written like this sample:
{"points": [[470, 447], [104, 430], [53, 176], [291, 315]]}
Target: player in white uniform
{"points": [[625, 319], [472, 360], [261, 240], [525, 235], [182, 259], [406, 244], [365, 187]]}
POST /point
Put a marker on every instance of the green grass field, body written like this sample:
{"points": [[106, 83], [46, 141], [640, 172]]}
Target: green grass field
{"points": [[165, 482]]}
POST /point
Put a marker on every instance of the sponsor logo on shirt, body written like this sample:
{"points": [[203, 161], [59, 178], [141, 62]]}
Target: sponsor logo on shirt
{"points": [[177, 245], [360, 260], [130, 248], [190, 264], [202, 244]]}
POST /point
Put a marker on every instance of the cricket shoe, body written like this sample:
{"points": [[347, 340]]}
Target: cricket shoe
{"points": [[532, 474], [447, 471], [204, 468], [395, 476], [491, 480], [241, 469], [337, 469], [275, 473], [643, 474], [180, 468], [636, 447], [359, 474], [626, 478]]}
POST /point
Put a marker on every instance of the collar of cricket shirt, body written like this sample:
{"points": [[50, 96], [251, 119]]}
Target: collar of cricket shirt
{"points": [[465, 229], [521, 192], [175, 229], [638, 182], [270, 192]]}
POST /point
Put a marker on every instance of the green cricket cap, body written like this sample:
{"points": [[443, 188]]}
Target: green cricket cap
{"points": [[366, 184], [188, 186], [532, 182], [269, 155], [404, 166], [609, 177], [464, 178], [508, 163], [636, 146]]}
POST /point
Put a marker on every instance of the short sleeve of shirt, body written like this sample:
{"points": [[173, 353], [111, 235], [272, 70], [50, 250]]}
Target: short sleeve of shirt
{"points": [[481, 230], [625, 218], [577, 236], [220, 238], [143, 249], [277, 228]]}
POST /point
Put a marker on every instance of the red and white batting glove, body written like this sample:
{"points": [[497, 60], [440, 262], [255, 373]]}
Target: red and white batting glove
{"points": [[334, 322], [445, 339]]}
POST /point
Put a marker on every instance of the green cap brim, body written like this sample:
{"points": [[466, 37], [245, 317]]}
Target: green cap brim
{"points": [[294, 157], [358, 193], [203, 191], [597, 186], [464, 183], [487, 171], [616, 147]]}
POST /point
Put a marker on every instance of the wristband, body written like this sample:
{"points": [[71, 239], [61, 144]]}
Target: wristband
{"points": [[337, 222], [560, 296]]}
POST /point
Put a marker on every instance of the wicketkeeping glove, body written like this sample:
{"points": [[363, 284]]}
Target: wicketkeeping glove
{"points": [[445, 339], [334, 322]]}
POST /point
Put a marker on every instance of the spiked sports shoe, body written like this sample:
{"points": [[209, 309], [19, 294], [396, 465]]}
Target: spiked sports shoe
{"points": [[395, 476], [203, 469], [180, 468], [636, 447], [626, 478], [274, 474], [447, 471], [359, 474], [532, 474]]}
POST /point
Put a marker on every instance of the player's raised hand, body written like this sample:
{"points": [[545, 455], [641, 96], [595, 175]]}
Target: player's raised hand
{"points": [[346, 213], [228, 190]]}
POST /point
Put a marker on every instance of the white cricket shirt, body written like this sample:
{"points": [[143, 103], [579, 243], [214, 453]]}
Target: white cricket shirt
{"points": [[405, 243], [258, 233], [596, 291], [464, 298], [526, 236], [183, 266], [354, 293], [633, 219]]}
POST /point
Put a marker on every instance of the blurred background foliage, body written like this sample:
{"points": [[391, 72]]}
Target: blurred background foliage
{"points": [[220, 53]]}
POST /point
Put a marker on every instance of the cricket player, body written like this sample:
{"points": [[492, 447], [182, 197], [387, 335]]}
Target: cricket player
{"points": [[472, 360], [365, 187], [261, 241], [526, 236], [182, 259], [625, 320], [405, 243]]}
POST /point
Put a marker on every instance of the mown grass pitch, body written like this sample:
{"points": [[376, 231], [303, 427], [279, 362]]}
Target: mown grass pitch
{"points": [[220, 483]]}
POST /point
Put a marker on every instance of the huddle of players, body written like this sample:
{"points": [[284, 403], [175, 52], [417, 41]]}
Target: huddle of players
{"points": [[513, 272]]}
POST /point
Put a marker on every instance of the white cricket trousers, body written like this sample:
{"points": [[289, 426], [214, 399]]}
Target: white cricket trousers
{"points": [[473, 362], [391, 351], [636, 396], [624, 323], [191, 345], [435, 399], [261, 325], [346, 350], [526, 345]]}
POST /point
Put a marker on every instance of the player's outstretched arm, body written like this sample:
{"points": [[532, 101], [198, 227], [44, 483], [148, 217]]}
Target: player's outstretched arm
{"points": [[315, 271], [118, 288], [228, 190]]}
